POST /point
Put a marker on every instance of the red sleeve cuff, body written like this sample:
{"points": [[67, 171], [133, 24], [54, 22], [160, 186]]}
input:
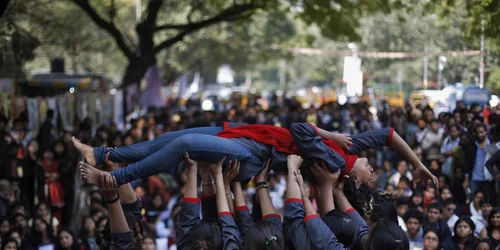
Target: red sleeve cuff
{"points": [[225, 213], [293, 200], [191, 200], [208, 198], [389, 139], [310, 217], [271, 215], [350, 210], [314, 127], [242, 208]]}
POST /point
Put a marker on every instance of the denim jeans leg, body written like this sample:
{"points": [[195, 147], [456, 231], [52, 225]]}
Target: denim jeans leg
{"points": [[139, 151], [205, 148]]}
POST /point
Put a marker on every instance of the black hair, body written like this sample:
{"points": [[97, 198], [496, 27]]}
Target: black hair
{"points": [[481, 125], [413, 214], [264, 235], [70, 232], [471, 240], [404, 179], [36, 237], [485, 240], [364, 199], [402, 201], [494, 211], [206, 235], [435, 205], [485, 200], [388, 235], [435, 232], [449, 201], [7, 241], [9, 234], [103, 238]]}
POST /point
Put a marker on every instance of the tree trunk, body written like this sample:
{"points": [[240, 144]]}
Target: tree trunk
{"points": [[133, 75]]}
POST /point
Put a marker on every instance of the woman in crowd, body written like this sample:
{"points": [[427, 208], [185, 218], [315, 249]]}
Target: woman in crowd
{"points": [[492, 231], [16, 235], [41, 233], [431, 240], [463, 239], [9, 244], [66, 240]]}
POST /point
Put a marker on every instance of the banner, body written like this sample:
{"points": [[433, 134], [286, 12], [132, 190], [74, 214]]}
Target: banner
{"points": [[33, 114]]}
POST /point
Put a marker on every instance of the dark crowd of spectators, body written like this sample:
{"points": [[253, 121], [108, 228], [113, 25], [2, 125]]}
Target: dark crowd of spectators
{"points": [[44, 202]]}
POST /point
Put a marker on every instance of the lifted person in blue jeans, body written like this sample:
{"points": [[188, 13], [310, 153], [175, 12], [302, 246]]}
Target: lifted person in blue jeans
{"points": [[251, 145]]}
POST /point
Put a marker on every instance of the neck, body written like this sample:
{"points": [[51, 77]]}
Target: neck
{"points": [[476, 207], [463, 240], [32, 155]]}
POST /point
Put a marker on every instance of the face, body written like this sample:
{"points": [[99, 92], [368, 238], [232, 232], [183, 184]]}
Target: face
{"points": [[157, 201], [434, 165], [413, 226], [483, 246], [477, 198], [433, 215], [495, 220], [445, 194], [4, 227], [40, 226], [33, 147], [65, 239], [89, 225], [21, 222], [148, 244], [47, 155], [402, 167], [42, 210], [389, 189], [480, 134], [449, 210], [417, 200], [454, 132], [402, 210], [128, 141], [16, 237], [435, 126], [10, 246], [363, 170], [463, 230], [59, 148], [486, 209], [430, 193], [431, 241]]}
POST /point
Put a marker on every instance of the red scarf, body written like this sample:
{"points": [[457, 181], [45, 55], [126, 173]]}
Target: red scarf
{"points": [[281, 139]]}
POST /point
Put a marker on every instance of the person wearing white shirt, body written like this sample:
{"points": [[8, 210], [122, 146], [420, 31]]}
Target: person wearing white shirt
{"points": [[448, 215], [450, 145], [481, 221]]}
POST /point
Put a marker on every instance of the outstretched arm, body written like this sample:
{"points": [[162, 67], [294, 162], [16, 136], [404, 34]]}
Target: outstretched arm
{"points": [[229, 174], [266, 205]]}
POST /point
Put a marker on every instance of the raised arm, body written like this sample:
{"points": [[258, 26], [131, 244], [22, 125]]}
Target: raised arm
{"points": [[229, 174], [190, 210], [266, 205], [230, 233], [243, 217], [326, 182], [318, 232], [344, 205]]}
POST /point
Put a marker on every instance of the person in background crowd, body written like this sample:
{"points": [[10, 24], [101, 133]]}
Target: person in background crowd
{"points": [[402, 171], [463, 238], [433, 220], [449, 216], [450, 144], [492, 230], [481, 221], [413, 220], [431, 240]]}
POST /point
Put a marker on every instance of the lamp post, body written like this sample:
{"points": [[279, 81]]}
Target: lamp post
{"points": [[441, 61], [426, 50]]}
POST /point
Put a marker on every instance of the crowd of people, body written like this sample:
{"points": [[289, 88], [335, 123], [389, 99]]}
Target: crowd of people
{"points": [[311, 201]]}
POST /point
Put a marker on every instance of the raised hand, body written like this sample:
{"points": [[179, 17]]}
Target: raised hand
{"points": [[324, 176], [427, 175], [262, 176], [188, 161], [216, 168], [231, 172], [300, 182], [294, 162], [344, 141]]}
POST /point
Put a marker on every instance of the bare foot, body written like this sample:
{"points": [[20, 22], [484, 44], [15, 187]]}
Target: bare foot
{"points": [[86, 150], [97, 177]]}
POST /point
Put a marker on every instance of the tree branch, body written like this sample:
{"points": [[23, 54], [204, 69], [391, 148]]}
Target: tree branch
{"points": [[109, 27], [153, 8], [227, 14]]}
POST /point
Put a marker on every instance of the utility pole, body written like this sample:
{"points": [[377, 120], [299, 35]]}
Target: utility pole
{"points": [[481, 62], [426, 50]]}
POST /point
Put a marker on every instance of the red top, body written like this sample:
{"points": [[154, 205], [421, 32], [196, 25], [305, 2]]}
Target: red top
{"points": [[281, 139]]}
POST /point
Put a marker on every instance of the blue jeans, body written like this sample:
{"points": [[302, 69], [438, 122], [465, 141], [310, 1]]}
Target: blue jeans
{"points": [[165, 153]]}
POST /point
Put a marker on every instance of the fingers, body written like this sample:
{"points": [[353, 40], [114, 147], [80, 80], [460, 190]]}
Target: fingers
{"points": [[222, 160]]}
